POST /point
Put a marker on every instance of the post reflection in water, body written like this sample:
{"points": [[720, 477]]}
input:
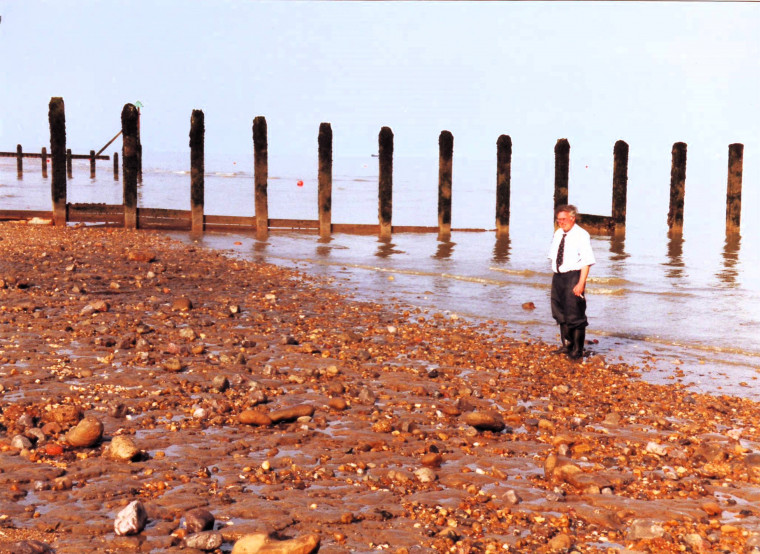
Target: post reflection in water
{"points": [[323, 250], [617, 248], [444, 250], [675, 256], [385, 248], [260, 246], [501, 249], [730, 259]]}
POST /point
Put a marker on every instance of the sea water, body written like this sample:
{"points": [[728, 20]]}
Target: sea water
{"points": [[667, 303]]}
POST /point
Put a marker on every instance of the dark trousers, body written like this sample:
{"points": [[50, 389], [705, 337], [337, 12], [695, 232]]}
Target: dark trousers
{"points": [[566, 307]]}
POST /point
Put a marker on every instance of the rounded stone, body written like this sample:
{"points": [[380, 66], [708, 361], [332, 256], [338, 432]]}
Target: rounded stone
{"points": [[86, 433]]}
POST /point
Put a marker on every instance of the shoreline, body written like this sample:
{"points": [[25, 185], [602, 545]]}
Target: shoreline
{"points": [[408, 430], [709, 369]]}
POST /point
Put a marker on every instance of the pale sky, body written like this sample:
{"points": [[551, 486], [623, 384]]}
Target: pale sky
{"points": [[650, 73]]}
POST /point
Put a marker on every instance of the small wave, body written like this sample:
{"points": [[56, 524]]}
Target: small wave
{"points": [[693, 346], [608, 280], [607, 291], [520, 272]]}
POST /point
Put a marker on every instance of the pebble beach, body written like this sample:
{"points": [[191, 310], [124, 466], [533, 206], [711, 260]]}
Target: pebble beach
{"points": [[157, 396]]}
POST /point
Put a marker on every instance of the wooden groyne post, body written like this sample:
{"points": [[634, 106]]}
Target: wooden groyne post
{"points": [[19, 162], [260, 174], [44, 162], [115, 166], [677, 187], [503, 183], [385, 182], [197, 168], [561, 171], [734, 188], [619, 185], [324, 179], [69, 168], [445, 157], [59, 157], [92, 164], [130, 157]]}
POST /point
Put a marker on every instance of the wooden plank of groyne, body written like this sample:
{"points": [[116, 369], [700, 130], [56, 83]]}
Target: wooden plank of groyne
{"points": [[294, 223], [597, 224], [229, 223], [36, 155], [44, 159], [20, 215], [158, 218]]}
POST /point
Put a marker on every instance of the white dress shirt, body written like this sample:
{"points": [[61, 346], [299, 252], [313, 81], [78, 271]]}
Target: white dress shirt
{"points": [[578, 253]]}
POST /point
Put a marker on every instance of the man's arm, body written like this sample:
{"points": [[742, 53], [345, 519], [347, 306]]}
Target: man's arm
{"points": [[581, 286]]}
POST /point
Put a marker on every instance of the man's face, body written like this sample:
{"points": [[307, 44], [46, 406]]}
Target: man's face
{"points": [[565, 221]]}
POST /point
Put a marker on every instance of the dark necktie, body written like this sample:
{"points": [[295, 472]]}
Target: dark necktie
{"points": [[561, 251]]}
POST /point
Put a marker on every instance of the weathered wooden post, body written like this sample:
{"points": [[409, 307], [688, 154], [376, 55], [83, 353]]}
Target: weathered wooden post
{"points": [[197, 167], [324, 179], [677, 187], [19, 162], [139, 146], [92, 164], [44, 162], [503, 183], [130, 156], [69, 168], [58, 156], [561, 171], [445, 157], [619, 185], [385, 182], [734, 188], [260, 174], [115, 166]]}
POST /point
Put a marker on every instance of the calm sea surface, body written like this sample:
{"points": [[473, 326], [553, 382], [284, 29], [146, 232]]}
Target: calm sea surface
{"points": [[689, 303]]}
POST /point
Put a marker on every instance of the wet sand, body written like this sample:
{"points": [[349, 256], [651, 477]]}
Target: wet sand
{"points": [[281, 406]]}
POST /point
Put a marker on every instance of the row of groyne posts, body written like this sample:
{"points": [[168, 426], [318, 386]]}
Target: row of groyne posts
{"points": [[130, 216]]}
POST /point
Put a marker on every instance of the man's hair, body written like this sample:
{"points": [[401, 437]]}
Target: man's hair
{"points": [[569, 208]]}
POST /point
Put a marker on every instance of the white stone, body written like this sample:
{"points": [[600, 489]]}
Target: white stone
{"points": [[131, 520]]}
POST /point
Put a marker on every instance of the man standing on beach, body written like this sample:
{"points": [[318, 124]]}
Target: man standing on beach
{"points": [[571, 258]]}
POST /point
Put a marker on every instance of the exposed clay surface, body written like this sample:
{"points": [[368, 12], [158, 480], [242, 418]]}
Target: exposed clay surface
{"points": [[271, 402]]}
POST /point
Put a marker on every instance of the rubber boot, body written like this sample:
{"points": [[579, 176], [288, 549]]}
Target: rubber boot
{"points": [[564, 335], [577, 339]]}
